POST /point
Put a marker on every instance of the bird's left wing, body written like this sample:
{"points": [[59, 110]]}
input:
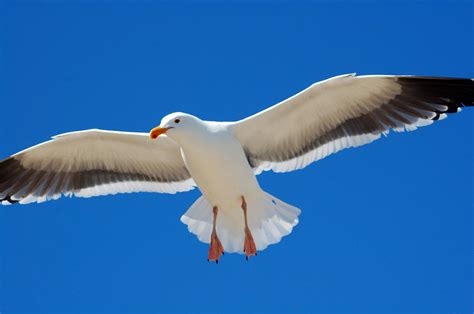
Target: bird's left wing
{"points": [[345, 111], [91, 163]]}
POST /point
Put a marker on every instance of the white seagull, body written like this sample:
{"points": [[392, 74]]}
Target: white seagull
{"points": [[223, 158]]}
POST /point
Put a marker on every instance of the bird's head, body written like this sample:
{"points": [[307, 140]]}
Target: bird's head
{"points": [[176, 125]]}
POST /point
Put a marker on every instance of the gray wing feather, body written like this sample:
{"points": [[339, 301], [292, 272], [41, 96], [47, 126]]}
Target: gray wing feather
{"points": [[93, 162], [346, 111]]}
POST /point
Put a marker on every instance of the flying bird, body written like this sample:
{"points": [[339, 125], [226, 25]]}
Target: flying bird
{"points": [[223, 158]]}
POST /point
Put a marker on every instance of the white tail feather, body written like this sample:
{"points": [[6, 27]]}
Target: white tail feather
{"points": [[269, 220]]}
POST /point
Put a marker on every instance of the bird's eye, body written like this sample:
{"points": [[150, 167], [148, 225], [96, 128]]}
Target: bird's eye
{"points": [[176, 120]]}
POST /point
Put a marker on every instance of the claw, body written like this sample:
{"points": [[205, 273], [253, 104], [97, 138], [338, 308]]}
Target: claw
{"points": [[249, 245], [216, 249]]}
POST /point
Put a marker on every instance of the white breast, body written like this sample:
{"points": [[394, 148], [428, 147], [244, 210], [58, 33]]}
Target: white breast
{"points": [[219, 166], [217, 162]]}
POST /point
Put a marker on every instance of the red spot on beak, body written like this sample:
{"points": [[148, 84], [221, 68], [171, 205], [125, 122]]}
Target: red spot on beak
{"points": [[157, 132]]}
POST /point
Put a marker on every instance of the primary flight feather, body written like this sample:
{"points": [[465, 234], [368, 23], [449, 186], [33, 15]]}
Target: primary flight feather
{"points": [[222, 158]]}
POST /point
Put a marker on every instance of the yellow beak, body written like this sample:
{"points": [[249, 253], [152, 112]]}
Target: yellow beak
{"points": [[157, 132]]}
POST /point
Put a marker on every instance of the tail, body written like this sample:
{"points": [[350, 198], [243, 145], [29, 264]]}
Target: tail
{"points": [[269, 220]]}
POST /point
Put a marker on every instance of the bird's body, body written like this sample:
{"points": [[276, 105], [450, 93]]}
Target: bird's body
{"points": [[216, 161], [223, 158], [218, 164]]}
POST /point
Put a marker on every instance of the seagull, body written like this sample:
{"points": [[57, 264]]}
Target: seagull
{"points": [[222, 159]]}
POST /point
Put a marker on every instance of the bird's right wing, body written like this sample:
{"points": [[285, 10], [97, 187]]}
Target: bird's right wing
{"points": [[91, 163]]}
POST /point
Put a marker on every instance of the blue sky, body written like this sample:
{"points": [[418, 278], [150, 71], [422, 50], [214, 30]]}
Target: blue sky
{"points": [[384, 228]]}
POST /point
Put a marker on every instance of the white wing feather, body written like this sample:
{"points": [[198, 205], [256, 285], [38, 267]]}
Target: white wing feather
{"points": [[91, 163], [345, 111]]}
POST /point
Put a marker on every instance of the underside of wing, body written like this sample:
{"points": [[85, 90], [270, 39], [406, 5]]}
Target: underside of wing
{"points": [[91, 163], [346, 111]]}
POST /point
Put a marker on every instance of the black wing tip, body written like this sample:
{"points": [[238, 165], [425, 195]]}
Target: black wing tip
{"points": [[453, 84], [9, 200], [454, 93], [436, 79], [8, 166], [7, 160]]}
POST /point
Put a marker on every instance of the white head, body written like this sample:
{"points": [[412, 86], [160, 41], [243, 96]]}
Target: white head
{"points": [[176, 125]]}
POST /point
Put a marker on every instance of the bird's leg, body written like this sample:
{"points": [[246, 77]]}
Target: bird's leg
{"points": [[216, 249], [249, 245]]}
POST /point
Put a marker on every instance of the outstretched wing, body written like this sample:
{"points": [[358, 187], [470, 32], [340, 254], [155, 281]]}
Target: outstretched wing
{"points": [[91, 163], [346, 111]]}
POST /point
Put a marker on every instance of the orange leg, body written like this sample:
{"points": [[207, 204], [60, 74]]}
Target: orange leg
{"points": [[249, 245], [216, 249]]}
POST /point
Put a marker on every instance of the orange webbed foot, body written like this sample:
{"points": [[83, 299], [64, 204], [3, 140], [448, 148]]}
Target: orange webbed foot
{"points": [[249, 245], [216, 249]]}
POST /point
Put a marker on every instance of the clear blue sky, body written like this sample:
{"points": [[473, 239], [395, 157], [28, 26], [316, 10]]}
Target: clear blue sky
{"points": [[384, 228]]}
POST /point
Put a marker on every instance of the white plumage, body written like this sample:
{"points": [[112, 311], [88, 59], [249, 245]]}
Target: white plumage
{"points": [[222, 158]]}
